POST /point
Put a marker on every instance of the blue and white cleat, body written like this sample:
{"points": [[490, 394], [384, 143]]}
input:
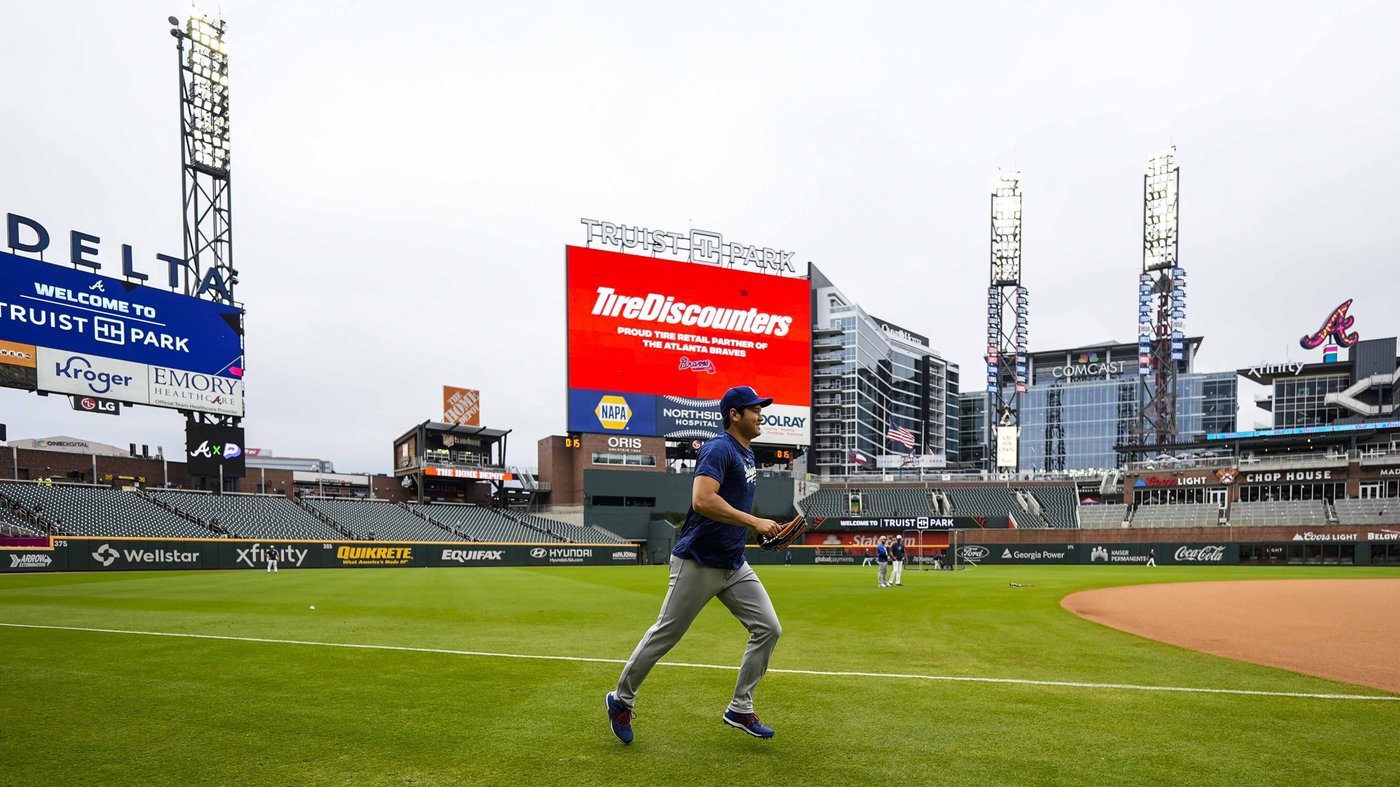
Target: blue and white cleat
{"points": [[748, 723], [620, 717]]}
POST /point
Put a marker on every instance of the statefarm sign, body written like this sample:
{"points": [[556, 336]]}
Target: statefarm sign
{"points": [[654, 344]]}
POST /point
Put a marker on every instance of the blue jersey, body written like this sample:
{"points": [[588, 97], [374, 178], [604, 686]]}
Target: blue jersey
{"points": [[882, 554], [717, 544], [898, 550]]}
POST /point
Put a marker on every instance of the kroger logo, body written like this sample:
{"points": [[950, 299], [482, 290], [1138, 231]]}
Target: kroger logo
{"points": [[613, 412], [79, 368], [973, 553]]}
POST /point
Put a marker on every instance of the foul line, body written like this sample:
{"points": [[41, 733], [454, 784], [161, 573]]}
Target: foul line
{"points": [[819, 673]]}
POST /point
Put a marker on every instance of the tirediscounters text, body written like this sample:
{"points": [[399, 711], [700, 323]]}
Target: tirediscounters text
{"points": [[649, 326]]}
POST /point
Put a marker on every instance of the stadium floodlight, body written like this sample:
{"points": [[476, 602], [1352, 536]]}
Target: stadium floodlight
{"points": [[1006, 228], [206, 83], [1160, 187]]}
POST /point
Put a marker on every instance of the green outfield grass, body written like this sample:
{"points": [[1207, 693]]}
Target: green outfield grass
{"points": [[105, 708]]}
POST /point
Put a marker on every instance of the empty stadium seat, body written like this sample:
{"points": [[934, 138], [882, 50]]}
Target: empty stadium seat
{"points": [[251, 516], [101, 511]]}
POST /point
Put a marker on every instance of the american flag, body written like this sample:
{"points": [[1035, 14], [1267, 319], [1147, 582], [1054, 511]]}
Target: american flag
{"points": [[903, 436]]}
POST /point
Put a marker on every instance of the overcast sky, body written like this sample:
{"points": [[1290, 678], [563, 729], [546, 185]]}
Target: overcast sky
{"points": [[406, 177]]}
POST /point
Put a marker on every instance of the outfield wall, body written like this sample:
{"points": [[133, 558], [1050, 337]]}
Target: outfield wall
{"points": [[1052, 547], [83, 553]]}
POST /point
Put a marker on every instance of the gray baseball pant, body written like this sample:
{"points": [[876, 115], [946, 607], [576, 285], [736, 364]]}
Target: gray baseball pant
{"points": [[691, 588], [884, 574]]}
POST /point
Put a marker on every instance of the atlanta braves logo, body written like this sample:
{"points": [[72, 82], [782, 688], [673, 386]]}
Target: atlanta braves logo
{"points": [[705, 365], [1336, 325]]}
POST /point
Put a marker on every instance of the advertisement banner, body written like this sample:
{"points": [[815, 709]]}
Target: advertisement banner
{"points": [[24, 561], [75, 311], [208, 393], [122, 555], [461, 406], [208, 448], [93, 375], [906, 522], [19, 366], [1006, 445], [682, 334]]}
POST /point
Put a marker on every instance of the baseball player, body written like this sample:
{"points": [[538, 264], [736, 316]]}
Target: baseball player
{"points": [[882, 556], [708, 562], [1152, 558], [897, 558], [272, 557]]}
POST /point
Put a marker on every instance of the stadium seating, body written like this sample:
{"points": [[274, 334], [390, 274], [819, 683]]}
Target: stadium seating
{"points": [[875, 501], [1058, 505], [11, 525], [1279, 512], [99, 511], [568, 531], [483, 524], [388, 521], [1177, 515], [1102, 516], [251, 516], [1383, 511], [982, 500]]}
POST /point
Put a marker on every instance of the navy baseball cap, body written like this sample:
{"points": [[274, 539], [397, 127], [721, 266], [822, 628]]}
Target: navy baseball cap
{"points": [[739, 397]]}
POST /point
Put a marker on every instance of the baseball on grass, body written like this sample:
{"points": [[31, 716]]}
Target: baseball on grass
{"points": [[313, 606]]}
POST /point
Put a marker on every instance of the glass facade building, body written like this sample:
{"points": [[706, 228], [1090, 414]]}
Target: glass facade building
{"points": [[1083, 402], [870, 376], [973, 434]]}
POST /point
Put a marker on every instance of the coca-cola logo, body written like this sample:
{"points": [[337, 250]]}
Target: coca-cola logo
{"points": [[1210, 554]]}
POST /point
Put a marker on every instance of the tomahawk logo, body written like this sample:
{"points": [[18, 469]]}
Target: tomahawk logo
{"points": [[1098, 553], [106, 555]]}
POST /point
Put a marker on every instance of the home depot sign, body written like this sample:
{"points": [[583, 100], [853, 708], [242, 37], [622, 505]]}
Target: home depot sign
{"points": [[461, 406]]}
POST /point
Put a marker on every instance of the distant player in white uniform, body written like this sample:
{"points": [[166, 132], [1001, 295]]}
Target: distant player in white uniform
{"points": [[897, 557], [272, 556], [1152, 558]]}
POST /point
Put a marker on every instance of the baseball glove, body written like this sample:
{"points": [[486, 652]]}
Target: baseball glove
{"points": [[787, 534]]}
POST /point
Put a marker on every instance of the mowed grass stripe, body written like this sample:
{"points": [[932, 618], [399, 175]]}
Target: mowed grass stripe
{"points": [[690, 665]]}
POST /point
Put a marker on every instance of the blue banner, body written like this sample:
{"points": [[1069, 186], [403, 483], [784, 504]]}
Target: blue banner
{"points": [[47, 305], [610, 412]]}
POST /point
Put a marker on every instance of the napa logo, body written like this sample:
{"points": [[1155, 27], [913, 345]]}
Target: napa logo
{"points": [[613, 412]]}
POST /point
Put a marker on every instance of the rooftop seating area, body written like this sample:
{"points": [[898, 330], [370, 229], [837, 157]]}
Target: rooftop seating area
{"points": [[250, 516], [99, 511], [1279, 512], [387, 521], [482, 524], [1383, 511], [1177, 515], [1102, 516]]}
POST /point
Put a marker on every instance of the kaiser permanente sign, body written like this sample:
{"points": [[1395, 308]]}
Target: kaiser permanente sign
{"points": [[93, 335]]}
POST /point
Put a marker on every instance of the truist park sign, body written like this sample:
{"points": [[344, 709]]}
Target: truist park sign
{"points": [[700, 246]]}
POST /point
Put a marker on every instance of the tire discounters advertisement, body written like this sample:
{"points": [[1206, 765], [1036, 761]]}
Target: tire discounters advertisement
{"points": [[654, 344]]}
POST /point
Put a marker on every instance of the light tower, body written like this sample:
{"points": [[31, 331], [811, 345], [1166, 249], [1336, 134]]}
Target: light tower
{"points": [[207, 194], [1007, 329], [1161, 302]]}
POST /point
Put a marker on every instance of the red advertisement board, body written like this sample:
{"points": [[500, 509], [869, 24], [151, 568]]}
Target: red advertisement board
{"points": [[660, 328]]}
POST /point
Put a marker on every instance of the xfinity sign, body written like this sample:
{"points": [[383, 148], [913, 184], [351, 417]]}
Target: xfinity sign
{"points": [[700, 246]]}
